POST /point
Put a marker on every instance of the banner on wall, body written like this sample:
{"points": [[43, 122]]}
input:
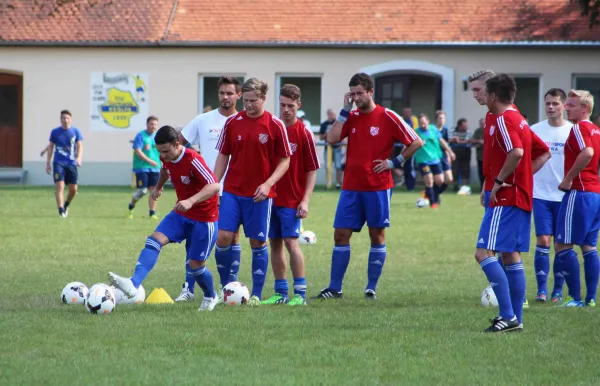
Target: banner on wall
{"points": [[118, 101]]}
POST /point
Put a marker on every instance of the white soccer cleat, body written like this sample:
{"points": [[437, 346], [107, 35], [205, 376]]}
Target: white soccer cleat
{"points": [[254, 301], [208, 304], [67, 212], [185, 294], [122, 283], [220, 295]]}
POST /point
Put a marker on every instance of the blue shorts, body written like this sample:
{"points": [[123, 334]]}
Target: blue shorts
{"points": [[146, 179], [445, 163], [545, 214], [284, 223], [486, 198], [66, 173], [200, 237], [237, 210], [505, 229], [578, 218], [354, 208], [426, 169]]}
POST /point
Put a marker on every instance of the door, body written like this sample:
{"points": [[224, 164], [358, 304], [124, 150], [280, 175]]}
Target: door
{"points": [[392, 92], [11, 120]]}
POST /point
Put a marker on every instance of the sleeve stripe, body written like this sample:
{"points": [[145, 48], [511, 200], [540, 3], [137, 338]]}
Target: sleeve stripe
{"points": [[505, 135], [310, 139], [578, 137], [223, 132], [402, 125], [284, 135], [205, 173]]}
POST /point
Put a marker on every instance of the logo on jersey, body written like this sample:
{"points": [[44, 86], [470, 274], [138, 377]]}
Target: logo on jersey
{"points": [[374, 130], [239, 137], [522, 124], [595, 132], [492, 128], [353, 130], [294, 147], [263, 138], [185, 179], [239, 118]]}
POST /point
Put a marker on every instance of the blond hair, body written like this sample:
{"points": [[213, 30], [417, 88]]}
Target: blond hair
{"points": [[585, 98], [483, 75], [258, 86]]}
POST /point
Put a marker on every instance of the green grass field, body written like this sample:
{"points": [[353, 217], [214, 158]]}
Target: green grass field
{"points": [[425, 329]]}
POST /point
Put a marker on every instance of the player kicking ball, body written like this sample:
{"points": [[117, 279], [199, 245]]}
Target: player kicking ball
{"points": [[291, 204], [194, 218]]}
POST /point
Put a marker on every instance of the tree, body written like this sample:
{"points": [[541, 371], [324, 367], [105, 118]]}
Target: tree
{"points": [[591, 9]]}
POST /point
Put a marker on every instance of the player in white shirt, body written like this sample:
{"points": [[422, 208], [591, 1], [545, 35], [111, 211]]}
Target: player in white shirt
{"points": [[204, 131], [546, 195]]}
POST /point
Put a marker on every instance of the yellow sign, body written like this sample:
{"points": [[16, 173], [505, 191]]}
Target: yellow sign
{"points": [[119, 109]]}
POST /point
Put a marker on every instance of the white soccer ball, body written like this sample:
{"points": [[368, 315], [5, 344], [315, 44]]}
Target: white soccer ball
{"points": [[235, 294], [74, 293], [100, 299], [488, 298], [307, 237], [139, 297], [422, 203], [464, 190]]}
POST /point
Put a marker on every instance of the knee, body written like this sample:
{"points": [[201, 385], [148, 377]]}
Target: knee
{"points": [[224, 238], [236, 237], [73, 189], [587, 248], [544, 241], [257, 243], [377, 236], [140, 193], [341, 237], [196, 264], [161, 238], [481, 255], [291, 244]]}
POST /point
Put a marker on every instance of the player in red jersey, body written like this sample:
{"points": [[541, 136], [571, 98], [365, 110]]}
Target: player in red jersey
{"points": [[506, 224], [579, 214], [193, 219], [291, 204], [255, 145], [372, 131]]}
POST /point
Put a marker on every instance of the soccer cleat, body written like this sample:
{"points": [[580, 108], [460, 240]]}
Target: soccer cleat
{"points": [[328, 293], [520, 327], [557, 298], [123, 283], [62, 215], [130, 215], [185, 294], [275, 299], [591, 303], [502, 325], [541, 297], [526, 304], [434, 206], [254, 301], [219, 295], [208, 304], [66, 212], [572, 303], [297, 300], [154, 217], [370, 295]]}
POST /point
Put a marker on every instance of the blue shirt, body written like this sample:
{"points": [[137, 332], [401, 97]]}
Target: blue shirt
{"points": [[65, 145]]}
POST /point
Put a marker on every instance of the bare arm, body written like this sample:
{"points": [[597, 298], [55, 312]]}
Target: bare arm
{"points": [[512, 161], [221, 165], [539, 162], [205, 193], [411, 149], [583, 159], [79, 151], [143, 156], [335, 133], [311, 179], [162, 179], [445, 146], [182, 139], [50, 149]]}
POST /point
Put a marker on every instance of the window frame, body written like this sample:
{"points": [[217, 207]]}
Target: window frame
{"points": [[201, 76], [314, 126], [541, 92]]}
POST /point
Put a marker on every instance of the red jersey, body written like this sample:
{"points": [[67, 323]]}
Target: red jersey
{"points": [[371, 137], [512, 132], [292, 186], [584, 134], [255, 146], [189, 174]]}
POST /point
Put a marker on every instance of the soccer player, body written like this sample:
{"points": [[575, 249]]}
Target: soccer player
{"points": [[204, 131], [366, 192], [193, 219], [255, 145], [546, 195], [66, 145], [579, 214], [146, 166], [291, 204], [506, 224], [440, 122], [429, 159]]}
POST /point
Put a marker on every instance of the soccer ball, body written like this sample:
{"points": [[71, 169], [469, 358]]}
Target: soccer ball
{"points": [[464, 190], [139, 297], [100, 299], [235, 294], [488, 298], [74, 293], [422, 203], [307, 237]]}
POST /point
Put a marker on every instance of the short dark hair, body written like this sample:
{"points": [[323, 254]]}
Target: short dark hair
{"points": [[503, 86], [151, 118], [229, 80], [166, 134], [557, 92], [460, 122], [66, 112], [291, 91], [362, 79]]}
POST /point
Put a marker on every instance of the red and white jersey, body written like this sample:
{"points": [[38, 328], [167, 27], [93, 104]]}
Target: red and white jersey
{"points": [[512, 132], [371, 137], [255, 146], [584, 134], [189, 174], [292, 186]]}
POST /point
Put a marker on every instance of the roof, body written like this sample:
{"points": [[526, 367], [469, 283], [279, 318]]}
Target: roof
{"points": [[294, 23]]}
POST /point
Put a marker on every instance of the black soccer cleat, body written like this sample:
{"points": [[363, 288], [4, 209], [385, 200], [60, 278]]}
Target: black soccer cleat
{"points": [[370, 295], [328, 293], [503, 325]]}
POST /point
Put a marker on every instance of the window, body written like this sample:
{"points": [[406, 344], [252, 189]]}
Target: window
{"points": [[592, 84], [528, 97], [310, 86], [209, 94]]}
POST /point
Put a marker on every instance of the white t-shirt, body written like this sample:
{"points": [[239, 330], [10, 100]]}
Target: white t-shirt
{"points": [[547, 179]]}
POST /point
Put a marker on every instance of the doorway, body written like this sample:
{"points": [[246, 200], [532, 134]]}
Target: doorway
{"points": [[11, 120]]}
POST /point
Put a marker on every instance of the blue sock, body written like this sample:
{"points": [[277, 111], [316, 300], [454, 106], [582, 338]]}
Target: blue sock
{"points": [[497, 278], [515, 275], [591, 267], [541, 264], [223, 260], [559, 279], [146, 261], [430, 195], [376, 262], [131, 206], [61, 210], [189, 279], [300, 287], [260, 264], [281, 287], [204, 279], [339, 263], [236, 256], [570, 267]]}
